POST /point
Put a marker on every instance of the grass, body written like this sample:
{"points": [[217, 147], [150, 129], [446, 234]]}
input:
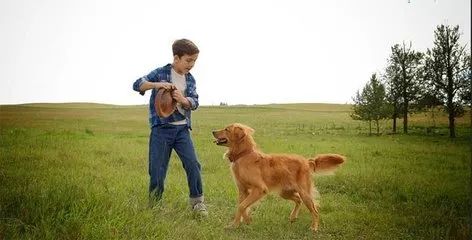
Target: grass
{"points": [[79, 171]]}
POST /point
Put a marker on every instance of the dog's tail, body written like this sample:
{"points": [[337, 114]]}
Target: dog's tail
{"points": [[325, 163]]}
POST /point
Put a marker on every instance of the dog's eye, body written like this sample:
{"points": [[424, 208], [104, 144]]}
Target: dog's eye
{"points": [[226, 129]]}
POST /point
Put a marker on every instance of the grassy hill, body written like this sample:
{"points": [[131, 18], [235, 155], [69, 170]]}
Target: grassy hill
{"points": [[79, 171]]}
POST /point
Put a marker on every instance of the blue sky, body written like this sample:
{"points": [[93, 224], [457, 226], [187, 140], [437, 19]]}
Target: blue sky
{"points": [[252, 52]]}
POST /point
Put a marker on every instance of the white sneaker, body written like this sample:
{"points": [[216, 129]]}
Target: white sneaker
{"points": [[200, 209]]}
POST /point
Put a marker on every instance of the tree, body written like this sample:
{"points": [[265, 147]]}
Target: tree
{"points": [[465, 93], [403, 79], [371, 104], [392, 79], [430, 102], [448, 70]]}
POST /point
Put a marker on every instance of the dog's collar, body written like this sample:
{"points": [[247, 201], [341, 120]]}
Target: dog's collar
{"points": [[234, 157]]}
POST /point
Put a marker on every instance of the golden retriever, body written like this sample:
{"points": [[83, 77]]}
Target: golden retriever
{"points": [[257, 173]]}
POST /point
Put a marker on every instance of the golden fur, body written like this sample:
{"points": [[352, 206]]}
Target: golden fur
{"points": [[257, 173]]}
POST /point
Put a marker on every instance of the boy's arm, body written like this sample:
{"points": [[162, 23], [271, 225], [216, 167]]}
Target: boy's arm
{"points": [[189, 102], [192, 95], [150, 81], [145, 85], [142, 85], [184, 102], [193, 101]]}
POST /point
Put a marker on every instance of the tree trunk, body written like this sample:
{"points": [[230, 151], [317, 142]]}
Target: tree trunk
{"points": [[450, 98], [370, 127], [395, 116], [377, 122], [432, 116], [405, 117], [405, 99], [452, 114], [452, 128], [394, 124]]}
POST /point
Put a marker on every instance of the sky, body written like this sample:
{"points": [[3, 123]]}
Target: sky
{"points": [[251, 51]]}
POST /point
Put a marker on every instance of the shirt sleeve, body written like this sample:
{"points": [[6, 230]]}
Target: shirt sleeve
{"points": [[137, 84], [192, 95], [151, 77]]}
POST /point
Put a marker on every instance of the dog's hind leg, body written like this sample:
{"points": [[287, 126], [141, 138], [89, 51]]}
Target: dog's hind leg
{"points": [[310, 204], [294, 196]]}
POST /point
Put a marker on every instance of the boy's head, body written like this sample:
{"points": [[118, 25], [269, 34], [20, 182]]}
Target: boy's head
{"points": [[185, 54]]}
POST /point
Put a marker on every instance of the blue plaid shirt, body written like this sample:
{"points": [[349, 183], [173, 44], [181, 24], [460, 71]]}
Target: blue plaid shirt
{"points": [[162, 74]]}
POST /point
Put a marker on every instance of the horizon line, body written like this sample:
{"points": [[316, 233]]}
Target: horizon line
{"points": [[201, 105]]}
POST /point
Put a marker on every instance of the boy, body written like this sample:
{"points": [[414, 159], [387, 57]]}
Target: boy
{"points": [[173, 132]]}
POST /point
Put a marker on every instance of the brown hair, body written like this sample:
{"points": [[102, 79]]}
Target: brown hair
{"points": [[184, 46]]}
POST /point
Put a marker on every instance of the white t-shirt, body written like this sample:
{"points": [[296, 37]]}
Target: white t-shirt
{"points": [[179, 81]]}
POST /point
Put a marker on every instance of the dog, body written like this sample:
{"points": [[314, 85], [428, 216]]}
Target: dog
{"points": [[256, 173]]}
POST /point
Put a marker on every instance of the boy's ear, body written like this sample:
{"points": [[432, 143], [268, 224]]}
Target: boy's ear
{"points": [[176, 58]]}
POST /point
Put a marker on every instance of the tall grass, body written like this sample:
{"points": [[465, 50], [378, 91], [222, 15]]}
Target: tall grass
{"points": [[79, 171]]}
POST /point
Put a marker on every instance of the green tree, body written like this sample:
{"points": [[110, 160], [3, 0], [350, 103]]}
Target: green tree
{"points": [[392, 80], [371, 104], [430, 103], [448, 70], [403, 79], [465, 93]]}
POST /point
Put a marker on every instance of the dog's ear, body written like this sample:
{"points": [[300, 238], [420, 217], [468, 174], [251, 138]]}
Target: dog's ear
{"points": [[239, 133], [250, 131]]}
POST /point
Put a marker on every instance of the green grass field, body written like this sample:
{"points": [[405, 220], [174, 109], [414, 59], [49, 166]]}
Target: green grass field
{"points": [[79, 171]]}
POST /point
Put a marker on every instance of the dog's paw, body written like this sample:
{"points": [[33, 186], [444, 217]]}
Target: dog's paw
{"points": [[247, 220], [292, 219], [232, 225], [314, 228]]}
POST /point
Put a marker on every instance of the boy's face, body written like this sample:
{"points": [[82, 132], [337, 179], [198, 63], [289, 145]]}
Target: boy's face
{"points": [[182, 65]]}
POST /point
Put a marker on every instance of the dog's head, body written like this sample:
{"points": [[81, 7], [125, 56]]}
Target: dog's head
{"points": [[232, 134]]}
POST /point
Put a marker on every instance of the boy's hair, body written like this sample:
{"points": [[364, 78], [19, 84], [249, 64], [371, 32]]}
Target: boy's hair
{"points": [[184, 46]]}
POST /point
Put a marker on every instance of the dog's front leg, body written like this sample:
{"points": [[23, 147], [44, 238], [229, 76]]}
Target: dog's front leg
{"points": [[243, 193], [253, 196]]}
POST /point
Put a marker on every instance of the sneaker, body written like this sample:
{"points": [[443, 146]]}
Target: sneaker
{"points": [[200, 209]]}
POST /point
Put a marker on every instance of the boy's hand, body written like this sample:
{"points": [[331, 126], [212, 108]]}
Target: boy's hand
{"points": [[165, 85], [177, 95]]}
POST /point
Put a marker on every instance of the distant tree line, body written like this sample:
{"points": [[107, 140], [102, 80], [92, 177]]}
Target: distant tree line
{"points": [[415, 81]]}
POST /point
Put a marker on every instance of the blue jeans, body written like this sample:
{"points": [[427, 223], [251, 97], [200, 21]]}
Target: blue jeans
{"points": [[163, 139]]}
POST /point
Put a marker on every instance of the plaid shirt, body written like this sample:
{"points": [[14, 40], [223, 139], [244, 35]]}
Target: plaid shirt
{"points": [[162, 74]]}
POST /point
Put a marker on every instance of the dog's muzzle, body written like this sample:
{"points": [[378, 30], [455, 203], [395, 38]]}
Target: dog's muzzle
{"points": [[220, 141]]}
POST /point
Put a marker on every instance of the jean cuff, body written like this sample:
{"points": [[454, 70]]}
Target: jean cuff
{"points": [[196, 200]]}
